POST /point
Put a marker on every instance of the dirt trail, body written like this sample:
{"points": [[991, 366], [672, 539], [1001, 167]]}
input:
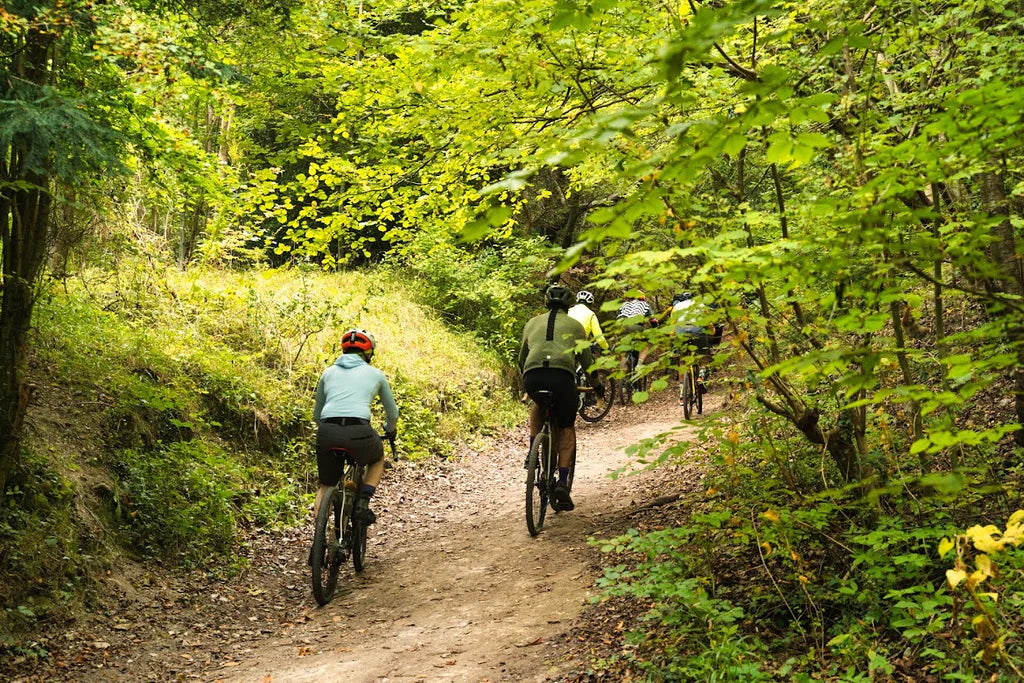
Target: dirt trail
{"points": [[454, 589], [474, 596]]}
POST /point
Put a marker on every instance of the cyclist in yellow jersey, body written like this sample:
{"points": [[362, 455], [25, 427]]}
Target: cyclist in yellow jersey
{"points": [[581, 312]]}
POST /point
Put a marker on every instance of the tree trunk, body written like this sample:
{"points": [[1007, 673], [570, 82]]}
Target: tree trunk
{"points": [[1003, 253], [25, 224], [1003, 250], [24, 228]]}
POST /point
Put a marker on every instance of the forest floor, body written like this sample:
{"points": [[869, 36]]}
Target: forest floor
{"points": [[454, 589]]}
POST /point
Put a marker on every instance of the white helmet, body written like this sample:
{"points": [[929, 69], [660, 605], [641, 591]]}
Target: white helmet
{"points": [[584, 296]]}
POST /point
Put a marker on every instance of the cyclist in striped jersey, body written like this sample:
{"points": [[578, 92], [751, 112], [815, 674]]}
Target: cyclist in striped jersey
{"points": [[635, 314]]}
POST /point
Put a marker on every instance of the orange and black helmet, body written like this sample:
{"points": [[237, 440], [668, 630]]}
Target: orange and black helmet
{"points": [[358, 340]]}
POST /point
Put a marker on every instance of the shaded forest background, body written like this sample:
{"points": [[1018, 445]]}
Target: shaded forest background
{"points": [[194, 195]]}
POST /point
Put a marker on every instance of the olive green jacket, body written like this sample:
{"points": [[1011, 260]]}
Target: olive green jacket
{"points": [[549, 340]]}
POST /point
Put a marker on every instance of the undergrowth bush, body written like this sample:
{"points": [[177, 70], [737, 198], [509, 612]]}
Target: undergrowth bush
{"points": [[44, 544], [176, 502], [490, 292], [764, 575]]}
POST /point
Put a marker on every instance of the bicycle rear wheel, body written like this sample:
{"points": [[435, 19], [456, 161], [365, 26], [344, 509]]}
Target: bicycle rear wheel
{"points": [[626, 388], [603, 395], [687, 393], [536, 485], [698, 394], [326, 561], [358, 527]]}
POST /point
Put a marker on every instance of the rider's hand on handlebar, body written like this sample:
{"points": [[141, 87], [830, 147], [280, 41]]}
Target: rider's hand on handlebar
{"points": [[391, 435]]}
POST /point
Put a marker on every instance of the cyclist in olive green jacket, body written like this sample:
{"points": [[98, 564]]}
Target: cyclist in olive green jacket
{"points": [[547, 359]]}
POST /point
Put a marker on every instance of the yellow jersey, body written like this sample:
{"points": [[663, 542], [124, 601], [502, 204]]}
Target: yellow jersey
{"points": [[586, 317]]}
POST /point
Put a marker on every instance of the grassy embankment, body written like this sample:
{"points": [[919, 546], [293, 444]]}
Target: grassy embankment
{"points": [[172, 410]]}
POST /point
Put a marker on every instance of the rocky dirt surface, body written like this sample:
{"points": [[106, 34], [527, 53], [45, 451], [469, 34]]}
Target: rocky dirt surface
{"points": [[455, 589]]}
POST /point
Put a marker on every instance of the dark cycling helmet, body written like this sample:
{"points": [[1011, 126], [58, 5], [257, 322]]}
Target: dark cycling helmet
{"points": [[358, 340], [682, 296], [558, 296], [585, 296]]}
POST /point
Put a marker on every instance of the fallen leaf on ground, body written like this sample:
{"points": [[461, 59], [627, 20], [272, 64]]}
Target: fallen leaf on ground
{"points": [[538, 641]]}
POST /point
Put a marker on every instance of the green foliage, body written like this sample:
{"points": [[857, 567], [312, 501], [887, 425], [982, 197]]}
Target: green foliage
{"points": [[175, 502], [42, 536], [491, 293], [190, 396], [842, 580], [842, 182], [690, 632]]}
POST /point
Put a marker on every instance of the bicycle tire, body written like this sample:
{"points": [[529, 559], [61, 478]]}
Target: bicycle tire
{"points": [[698, 394], [626, 392], [688, 391], [326, 543], [358, 545], [597, 410], [536, 489], [358, 529]]}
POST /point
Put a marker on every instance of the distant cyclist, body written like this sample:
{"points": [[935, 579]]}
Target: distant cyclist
{"points": [[582, 313], [690, 334], [342, 412], [548, 361], [635, 314]]}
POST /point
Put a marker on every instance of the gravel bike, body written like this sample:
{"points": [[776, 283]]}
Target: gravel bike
{"points": [[691, 393], [542, 466], [337, 534]]}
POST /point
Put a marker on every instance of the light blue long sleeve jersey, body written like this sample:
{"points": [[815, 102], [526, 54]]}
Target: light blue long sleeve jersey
{"points": [[347, 388]]}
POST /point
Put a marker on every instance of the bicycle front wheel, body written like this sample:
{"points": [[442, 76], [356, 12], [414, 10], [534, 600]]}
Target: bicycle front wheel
{"points": [[536, 488], [596, 407], [326, 560], [688, 393]]}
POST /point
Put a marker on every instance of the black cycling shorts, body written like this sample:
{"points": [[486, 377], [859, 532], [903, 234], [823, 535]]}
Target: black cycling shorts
{"points": [[562, 384], [361, 440], [690, 337]]}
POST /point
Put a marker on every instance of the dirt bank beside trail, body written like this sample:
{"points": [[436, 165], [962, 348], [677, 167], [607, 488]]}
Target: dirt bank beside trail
{"points": [[454, 590]]}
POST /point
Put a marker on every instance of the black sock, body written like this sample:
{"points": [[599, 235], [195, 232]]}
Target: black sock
{"points": [[367, 491], [563, 475]]}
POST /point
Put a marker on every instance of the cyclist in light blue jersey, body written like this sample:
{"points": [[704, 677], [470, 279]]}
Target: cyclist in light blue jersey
{"points": [[342, 411]]}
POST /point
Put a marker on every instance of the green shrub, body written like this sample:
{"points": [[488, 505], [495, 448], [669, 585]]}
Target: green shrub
{"points": [[491, 292], [176, 501], [47, 554]]}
